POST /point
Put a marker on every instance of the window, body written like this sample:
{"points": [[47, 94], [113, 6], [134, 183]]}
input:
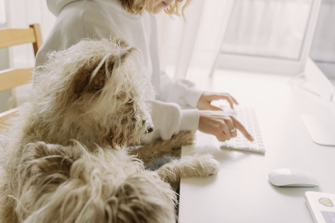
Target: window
{"points": [[269, 35]]}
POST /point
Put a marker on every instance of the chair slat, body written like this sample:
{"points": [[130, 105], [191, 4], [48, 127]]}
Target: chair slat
{"points": [[4, 116], [11, 37], [11, 78], [38, 36]]}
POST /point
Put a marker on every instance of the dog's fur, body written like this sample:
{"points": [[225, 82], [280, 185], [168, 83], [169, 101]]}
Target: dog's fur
{"points": [[69, 184], [94, 93]]}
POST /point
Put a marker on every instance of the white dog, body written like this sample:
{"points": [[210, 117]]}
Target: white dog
{"points": [[94, 93]]}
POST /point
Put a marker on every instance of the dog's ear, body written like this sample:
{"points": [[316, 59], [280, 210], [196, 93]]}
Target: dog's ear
{"points": [[84, 82], [91, 80], [97, 82], [142, 197]]}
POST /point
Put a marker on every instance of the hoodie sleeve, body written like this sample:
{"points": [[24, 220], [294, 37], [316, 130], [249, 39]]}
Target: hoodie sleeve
{"points": [[182, 92], [168, 119]]}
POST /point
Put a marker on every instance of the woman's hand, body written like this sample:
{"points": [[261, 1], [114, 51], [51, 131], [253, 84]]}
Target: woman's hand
{"points": [[221, 125], [206, 98]]}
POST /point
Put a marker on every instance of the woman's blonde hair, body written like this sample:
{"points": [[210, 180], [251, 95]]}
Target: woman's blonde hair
{"points": [[138, 6], [178, 8]]}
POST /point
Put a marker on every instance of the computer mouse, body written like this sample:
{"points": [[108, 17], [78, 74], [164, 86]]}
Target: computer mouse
{"points": [[286, 177]]}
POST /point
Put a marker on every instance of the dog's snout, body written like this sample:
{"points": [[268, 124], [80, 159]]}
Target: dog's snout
{"points": [[150, 129]]}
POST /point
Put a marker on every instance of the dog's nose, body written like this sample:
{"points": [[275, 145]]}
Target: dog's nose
{"points": [[150, 129]]}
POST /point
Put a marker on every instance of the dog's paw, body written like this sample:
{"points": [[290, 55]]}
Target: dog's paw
{"points": [[198, 166], [209, 165]]}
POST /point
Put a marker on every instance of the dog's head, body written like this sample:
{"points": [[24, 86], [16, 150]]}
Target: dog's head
{"points": [[99, 88], [68, 184]]}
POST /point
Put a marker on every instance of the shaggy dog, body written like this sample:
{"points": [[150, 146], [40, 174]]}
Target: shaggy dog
{"points": [[65, 157]]}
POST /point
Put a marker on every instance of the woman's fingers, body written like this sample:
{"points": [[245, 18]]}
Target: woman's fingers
{"points": [[226, 131], [227, 127], [233, 129], [225, 96], [234, 100], [222, 126], [231, 101], [206, 98], [242, 129], [221, 136]]}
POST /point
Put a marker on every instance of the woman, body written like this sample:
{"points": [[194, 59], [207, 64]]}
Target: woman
{"points": [[134, 21]]}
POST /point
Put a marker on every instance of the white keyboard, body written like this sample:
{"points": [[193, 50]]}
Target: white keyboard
{"points": [[248, 118]]}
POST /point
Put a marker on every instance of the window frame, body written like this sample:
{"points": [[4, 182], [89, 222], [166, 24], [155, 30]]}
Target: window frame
{"points": [[263, 64]]}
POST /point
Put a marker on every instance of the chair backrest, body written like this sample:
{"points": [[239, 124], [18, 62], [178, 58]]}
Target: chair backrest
{"points": [[11, 78]]}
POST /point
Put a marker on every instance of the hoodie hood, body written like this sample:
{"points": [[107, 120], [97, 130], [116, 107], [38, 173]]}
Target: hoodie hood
{"points": [[56, 6]]}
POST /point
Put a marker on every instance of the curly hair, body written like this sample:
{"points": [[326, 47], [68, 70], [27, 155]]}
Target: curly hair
{"points": [[138, 6], [178, 8], [134, 6]]}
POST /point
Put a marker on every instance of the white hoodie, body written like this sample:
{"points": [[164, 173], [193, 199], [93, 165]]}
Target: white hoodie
{"points": [[97, 19]]}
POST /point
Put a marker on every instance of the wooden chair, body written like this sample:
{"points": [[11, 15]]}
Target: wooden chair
{"points": [[11, 78]]}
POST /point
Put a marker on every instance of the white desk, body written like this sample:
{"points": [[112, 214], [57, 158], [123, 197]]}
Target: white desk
{"points": [[241, 192]]}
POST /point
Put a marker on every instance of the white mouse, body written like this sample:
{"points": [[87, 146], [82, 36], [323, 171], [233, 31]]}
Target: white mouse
{"points": [[292, 178]]}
